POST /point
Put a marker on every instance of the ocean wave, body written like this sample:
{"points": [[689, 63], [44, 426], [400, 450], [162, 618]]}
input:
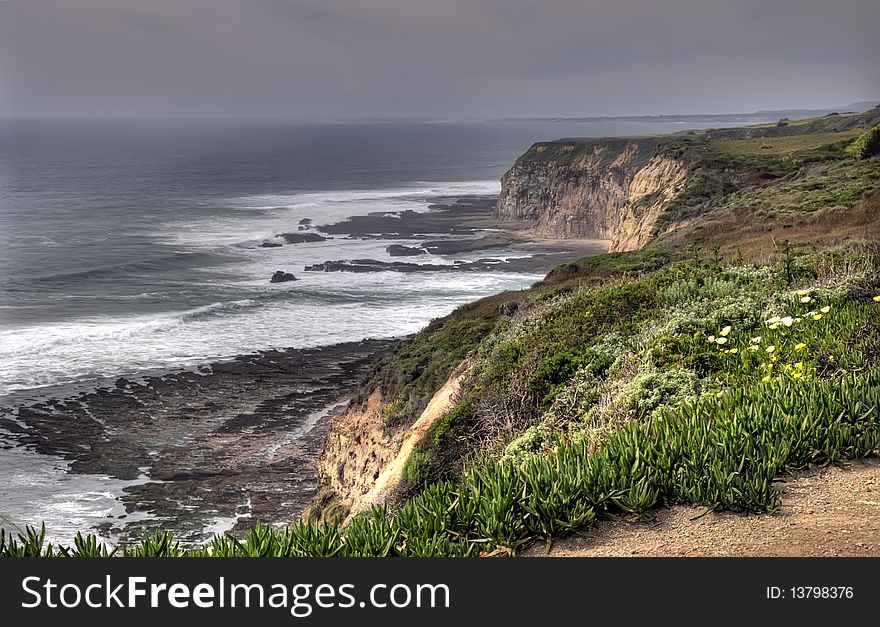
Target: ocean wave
{"points": [[155, 264], [418, 191], [31, 340]]}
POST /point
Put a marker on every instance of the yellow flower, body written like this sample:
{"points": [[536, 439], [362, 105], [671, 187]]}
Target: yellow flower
{"points": [[721, 340], [825, 309], [770, 348], [817, 317], [806, 299], [774, 326], [799, 347], [753, 347], [766, 379], [733, 351], [803, 292], [877, 299], [725, 331], [776, 319], [799, 365]]}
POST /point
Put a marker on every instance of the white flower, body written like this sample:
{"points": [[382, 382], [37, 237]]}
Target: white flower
{"points": [[721, 340], [787, 321]]}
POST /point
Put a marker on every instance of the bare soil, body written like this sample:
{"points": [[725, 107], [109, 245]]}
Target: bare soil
{"points": [[825, 512]]}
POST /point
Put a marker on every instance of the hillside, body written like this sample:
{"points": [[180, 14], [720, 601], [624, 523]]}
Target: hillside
{"points": [[738, 342], [634, 190], [767, 222]]}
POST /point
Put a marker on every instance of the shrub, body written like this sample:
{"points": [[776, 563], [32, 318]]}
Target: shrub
{"points": [[866, 145]]}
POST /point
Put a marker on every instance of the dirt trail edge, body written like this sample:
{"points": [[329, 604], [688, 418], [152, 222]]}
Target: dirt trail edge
{"points": [[825, 512]]}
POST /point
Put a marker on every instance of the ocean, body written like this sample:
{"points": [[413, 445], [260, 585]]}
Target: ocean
{"points": [[134, 247]]}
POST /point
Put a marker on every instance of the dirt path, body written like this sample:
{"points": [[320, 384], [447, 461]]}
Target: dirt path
{"points": [[825, 512]]}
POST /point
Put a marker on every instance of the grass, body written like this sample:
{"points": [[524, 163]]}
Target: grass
{"points": [[815, 187], [783, 145], [721, 453], [411, 374], [776, 378], [626, 381]]}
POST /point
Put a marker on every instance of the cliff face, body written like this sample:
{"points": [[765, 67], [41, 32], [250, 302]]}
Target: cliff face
{"points": [[611, 189], [362, 462]]}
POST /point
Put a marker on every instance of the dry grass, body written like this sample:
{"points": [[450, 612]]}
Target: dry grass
{"points": [[781, 145]]}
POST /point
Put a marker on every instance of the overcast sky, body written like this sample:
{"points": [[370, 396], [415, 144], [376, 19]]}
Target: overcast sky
{"points": [[321, 59]]}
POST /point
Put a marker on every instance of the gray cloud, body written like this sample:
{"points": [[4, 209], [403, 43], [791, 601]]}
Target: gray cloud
{"points": [[456, 58]]}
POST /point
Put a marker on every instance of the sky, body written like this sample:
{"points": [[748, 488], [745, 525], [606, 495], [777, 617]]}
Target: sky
{"points": [[450, 59]]}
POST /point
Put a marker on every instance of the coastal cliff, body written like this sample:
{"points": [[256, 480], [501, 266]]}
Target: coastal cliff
{"points": [[613, 189], [363, 460], [632, 190], [510, 383]]}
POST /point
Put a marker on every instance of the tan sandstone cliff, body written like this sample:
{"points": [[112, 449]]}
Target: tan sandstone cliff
{"points": [[612, 189], [362, 461]]}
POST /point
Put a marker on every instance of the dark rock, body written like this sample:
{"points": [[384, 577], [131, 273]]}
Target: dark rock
{"points": [[282, 277], [305, 221], [270, 245], [458, 246], [396, 250], [300, 238]]}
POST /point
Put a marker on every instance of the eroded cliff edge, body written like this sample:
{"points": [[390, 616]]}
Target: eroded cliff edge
{"points": [[614, 189], [632, 190], [734, 192]]}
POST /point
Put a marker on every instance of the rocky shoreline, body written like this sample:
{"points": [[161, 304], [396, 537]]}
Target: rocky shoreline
{"points": [[223, 445], [234, 441]]}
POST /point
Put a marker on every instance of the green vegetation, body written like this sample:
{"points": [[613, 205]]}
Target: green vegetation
{"points": [[817, 186], [693, 383], [411, 374], [779, 172], [626, 381], [784, 145], [867, 145]]}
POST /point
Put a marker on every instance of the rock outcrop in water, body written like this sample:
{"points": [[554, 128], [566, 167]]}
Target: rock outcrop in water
{"points": [[613, 189], [282, 277], [300, 238], [398, 250]]}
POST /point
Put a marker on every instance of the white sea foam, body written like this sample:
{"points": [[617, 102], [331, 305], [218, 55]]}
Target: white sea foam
{"points": [[280, 212], [318, 309], [39, 489]]}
